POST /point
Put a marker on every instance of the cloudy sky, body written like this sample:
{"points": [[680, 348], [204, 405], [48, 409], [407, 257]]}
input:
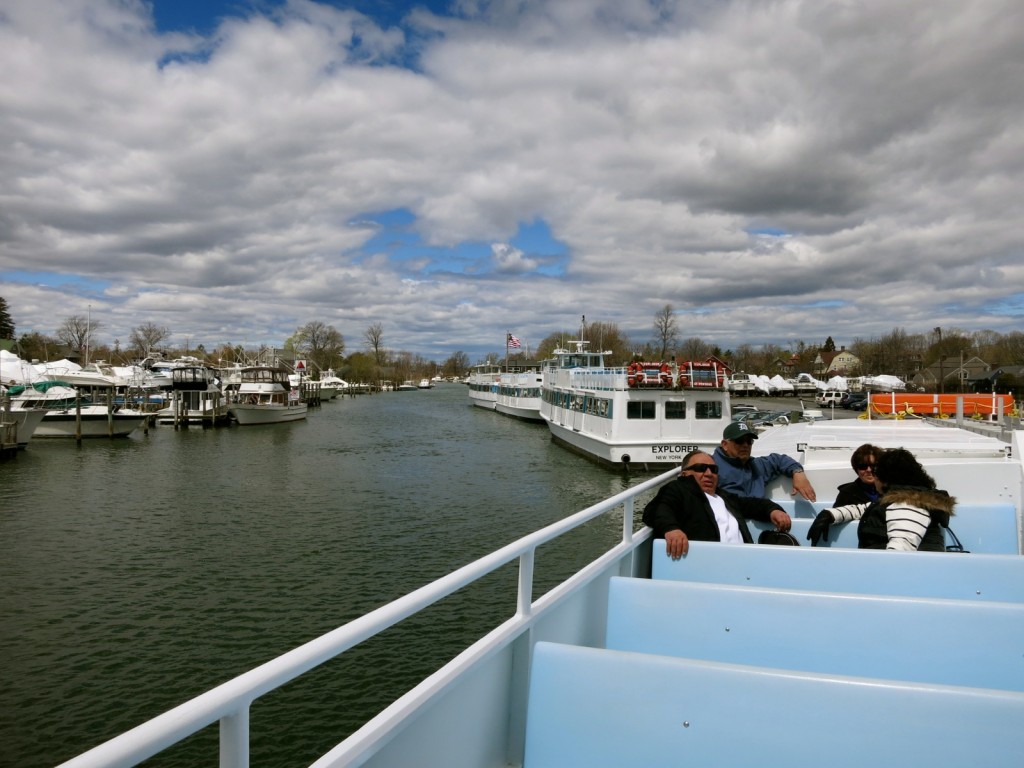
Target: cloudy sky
{"points": [[777, 170]]}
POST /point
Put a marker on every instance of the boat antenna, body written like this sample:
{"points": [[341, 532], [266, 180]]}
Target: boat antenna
{"points": [[583, 326]]}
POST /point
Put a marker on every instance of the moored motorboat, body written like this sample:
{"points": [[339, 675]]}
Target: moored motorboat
{"points": [[636, 653], [26, 421], [69, 415], [643, 415], [264, 396]]}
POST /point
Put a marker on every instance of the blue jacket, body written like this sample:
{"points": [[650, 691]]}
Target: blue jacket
{"points": [[750, 479]]}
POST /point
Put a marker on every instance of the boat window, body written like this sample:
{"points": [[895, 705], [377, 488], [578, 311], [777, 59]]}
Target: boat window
{"points": [[643, 409], [675, 409], [708, 409]]}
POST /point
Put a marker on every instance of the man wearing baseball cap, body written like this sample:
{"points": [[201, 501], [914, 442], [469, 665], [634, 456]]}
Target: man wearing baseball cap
{"points": [[743, 475]]}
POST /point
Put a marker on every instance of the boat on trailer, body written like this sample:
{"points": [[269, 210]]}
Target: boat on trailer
{"points": [[645, 415], [638, 659]]}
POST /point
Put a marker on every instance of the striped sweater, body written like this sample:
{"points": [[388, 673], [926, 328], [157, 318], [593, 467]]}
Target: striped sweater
{"points": [[912, 517]]}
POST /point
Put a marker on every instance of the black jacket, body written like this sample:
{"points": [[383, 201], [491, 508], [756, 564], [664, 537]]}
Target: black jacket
{"points": [[854, 492], [872, 531], [681, 504]]}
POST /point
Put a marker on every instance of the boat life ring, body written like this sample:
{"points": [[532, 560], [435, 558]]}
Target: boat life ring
{"points": [[665, 375], [635, 375]]}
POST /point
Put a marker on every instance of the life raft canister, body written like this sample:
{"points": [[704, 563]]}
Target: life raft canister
{"points": [[665, 375]]}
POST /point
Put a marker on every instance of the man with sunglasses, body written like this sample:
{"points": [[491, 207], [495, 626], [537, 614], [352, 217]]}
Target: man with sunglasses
{"points": [[743, 475], [692, 508]]}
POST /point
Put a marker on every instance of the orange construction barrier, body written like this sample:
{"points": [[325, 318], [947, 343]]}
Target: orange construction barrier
{"points": [[981, 406]]}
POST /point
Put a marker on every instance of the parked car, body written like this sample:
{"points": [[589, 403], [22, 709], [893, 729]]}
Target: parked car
{"points": [[829, 397], [857, 401]]}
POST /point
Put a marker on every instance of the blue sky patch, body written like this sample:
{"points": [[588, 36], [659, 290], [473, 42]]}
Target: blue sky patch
{"points": [[397, 238], [83, 286]]}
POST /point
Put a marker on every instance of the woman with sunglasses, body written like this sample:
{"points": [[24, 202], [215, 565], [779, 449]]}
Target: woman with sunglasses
{"points": [[692, 508], [862, 490], [908, 516]]}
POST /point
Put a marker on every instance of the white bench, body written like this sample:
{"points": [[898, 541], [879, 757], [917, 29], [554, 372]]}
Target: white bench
{"points": [[608, 709], [865, 571], [983, 528], [953, 642]]}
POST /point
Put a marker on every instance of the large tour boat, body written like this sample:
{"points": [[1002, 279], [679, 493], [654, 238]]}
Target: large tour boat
{"points": [[512, 388], [642, 415], [638, 659]]}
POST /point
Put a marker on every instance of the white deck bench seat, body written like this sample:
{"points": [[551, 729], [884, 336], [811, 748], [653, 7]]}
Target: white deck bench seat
{"points": [[864, 571], [603, 708], [983, 528], [953, 642]]}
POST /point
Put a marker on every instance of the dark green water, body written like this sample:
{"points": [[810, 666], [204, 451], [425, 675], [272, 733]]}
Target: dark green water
{"points": [[139, 573]]}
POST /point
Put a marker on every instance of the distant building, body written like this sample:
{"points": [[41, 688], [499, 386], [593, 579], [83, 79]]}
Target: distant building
{"points": [[951, 374], [840, 363]]}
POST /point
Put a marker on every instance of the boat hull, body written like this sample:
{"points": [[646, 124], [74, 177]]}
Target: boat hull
{"points": [[645, 454], [57, 424], [27, 421], [248, 415]]}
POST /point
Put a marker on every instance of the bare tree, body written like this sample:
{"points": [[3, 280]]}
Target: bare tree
{"points": [[147, 336], [77, 333], [374, 337], [694, 348], [321, 343], [666, 329]]}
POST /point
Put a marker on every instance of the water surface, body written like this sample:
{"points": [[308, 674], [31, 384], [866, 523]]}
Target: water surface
{"points": [[138, 573]]}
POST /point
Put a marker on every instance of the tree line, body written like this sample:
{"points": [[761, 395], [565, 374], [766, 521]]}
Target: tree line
{"points": [[898, 352]]}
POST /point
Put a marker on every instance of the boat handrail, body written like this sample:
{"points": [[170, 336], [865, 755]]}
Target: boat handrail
{"points": [[229, 702]]}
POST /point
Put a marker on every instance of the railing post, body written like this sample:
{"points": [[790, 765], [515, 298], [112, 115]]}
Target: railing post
{"points": [[234, 739], [627, 519], [525, 599]]}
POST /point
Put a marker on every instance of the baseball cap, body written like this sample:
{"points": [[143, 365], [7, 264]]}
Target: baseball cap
{"points": [[737, 430]]}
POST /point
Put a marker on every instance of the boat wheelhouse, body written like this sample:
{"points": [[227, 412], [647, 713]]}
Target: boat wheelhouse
{"points": [[645, 415]]}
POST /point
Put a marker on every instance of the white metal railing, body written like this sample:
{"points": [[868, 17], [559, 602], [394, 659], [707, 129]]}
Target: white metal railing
{"points": [[229, 703]]}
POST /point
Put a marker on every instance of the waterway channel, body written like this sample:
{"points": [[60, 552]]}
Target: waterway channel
{"points": [[138, 573]]}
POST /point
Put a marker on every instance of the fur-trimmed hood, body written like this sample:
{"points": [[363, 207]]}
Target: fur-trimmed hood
{"points": [[922, 498]]}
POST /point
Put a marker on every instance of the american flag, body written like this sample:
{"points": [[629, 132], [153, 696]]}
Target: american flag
{"points": [[514, 342]]}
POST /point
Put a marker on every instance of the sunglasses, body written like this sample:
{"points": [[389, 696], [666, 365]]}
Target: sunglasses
{"points": [[744, 441], [863, 467], [700, 469]]}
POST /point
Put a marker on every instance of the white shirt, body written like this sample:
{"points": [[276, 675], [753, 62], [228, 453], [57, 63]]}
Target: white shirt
{"points": [[728, 528]]}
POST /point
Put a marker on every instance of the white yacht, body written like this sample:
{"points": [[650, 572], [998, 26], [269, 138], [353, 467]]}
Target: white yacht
{"points": [[266, 397], [644, 415]]}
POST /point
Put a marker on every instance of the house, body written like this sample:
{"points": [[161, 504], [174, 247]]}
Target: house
{"points": [[1004, 379], [841, 363], [951, 374]]}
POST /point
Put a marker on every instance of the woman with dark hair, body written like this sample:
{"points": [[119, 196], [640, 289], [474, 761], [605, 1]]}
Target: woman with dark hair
{"points": [[908, 516], [862, 490]]}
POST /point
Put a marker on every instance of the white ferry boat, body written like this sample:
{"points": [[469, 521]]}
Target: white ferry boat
{"points": [[518, 393], [644, 415], [483, 385], [638, 659], [265, 396]]}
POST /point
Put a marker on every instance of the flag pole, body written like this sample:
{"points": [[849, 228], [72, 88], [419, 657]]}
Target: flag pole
{"points": [[508, 335]]}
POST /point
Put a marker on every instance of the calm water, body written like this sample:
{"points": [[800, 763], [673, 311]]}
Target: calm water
{"points": [[141, 572]]}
